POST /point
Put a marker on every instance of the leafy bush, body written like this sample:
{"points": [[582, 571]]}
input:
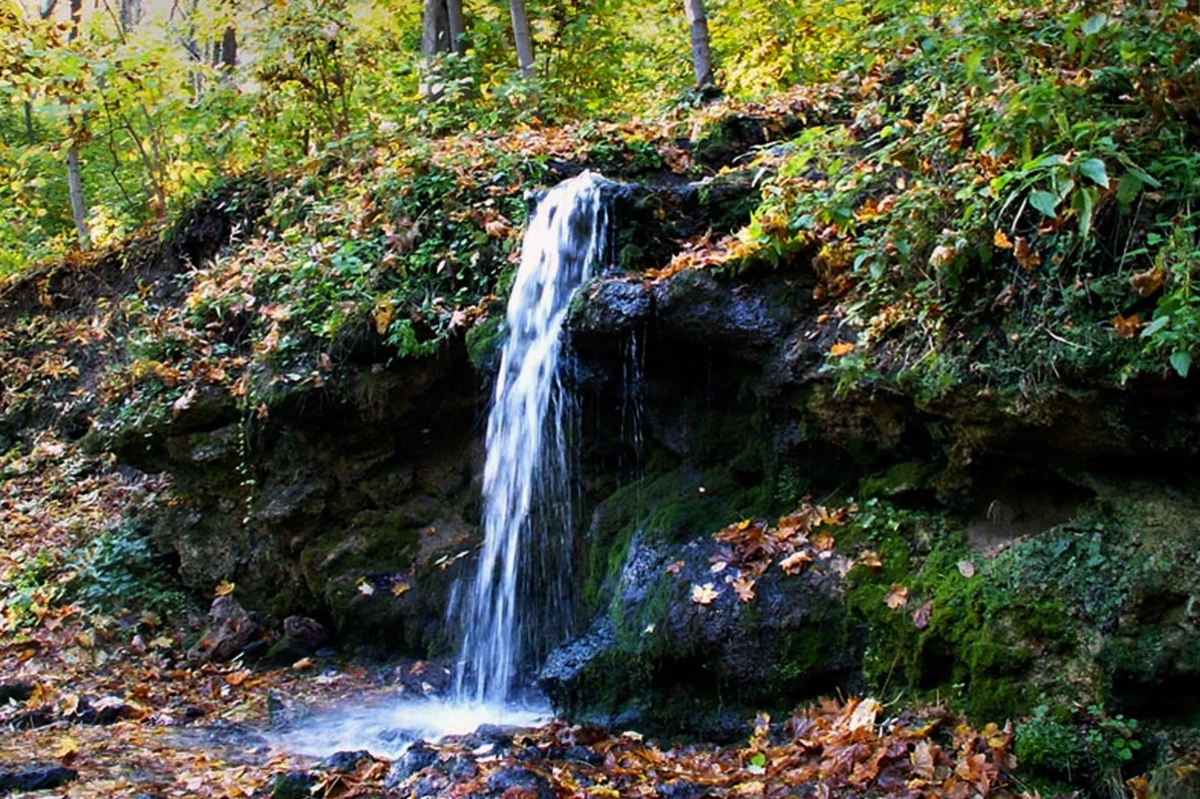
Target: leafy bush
{"points": [[121, 571]]}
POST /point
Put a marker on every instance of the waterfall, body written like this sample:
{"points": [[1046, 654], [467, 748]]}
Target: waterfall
{"points": [[526, 489]]}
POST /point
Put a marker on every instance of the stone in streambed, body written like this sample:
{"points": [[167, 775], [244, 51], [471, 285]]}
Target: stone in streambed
{"points": [[37, 777]]}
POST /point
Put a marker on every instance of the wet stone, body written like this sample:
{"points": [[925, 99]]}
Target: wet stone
{"points": [[344, 761], [293, 785], [418, 756], [521, 779], [37, 777]]}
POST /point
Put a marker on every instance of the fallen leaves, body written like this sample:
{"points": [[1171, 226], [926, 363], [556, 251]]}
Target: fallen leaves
{"points": [[1126, 326], [896, 597], [704, 594]]}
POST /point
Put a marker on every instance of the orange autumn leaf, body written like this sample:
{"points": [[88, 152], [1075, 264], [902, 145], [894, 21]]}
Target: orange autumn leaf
{"points": [[224, 588], [1000, 239], [303, 664], [675, 568], [1126, 326], [841, 348], [897, 597], [823, 542], [66, 750]]}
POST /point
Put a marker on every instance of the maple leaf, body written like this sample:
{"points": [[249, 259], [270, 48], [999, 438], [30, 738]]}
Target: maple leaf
{"points": [[224, 588], [704, 594], [1000, 239], [744, 588], [823, 542], [897, 597]]}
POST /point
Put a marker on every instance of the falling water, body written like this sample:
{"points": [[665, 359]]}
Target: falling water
{"points": [[526, 493]]}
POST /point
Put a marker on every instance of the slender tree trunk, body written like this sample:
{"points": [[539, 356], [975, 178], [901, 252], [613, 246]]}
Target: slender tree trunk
{"points": [[74, 175], [29, 134], [127, 15], [521, 37], [701, 55], [454, 14]]}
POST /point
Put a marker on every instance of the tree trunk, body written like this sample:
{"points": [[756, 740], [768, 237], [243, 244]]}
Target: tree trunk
{"points": [[74, 176], [29, 134], [701, 55], [229, 50], [524, 42], [435, 28], [127, 16], [454, 14]]}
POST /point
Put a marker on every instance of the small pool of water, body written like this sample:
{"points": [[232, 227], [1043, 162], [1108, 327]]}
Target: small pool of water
{"points": [[387, 727]]}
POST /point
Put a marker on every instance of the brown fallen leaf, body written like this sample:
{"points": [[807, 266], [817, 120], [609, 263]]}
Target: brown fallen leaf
{"points": [[1001, 240], [1148, 282], [897, 597], [796, 562], [871, 560], [675, 567], [66, 750], [303, 664], [1026, 256], [224, 588], [966, 568]]}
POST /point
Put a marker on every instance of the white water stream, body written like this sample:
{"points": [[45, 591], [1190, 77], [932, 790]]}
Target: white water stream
{"points": [[519, 602], [520, 596]]}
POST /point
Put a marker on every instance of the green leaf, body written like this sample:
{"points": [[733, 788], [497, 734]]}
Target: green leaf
{"points": [[1181, 362], [1044, 201], [1094, 168], [1128, 188], [1083, 202], [1094, 24], [1158, 324]]}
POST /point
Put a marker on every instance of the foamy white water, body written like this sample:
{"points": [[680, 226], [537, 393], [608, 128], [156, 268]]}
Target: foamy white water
{"points": [[387, 726], [526, 515]]}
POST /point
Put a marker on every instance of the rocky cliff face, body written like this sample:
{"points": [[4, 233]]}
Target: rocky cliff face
{"points": [[1004, 550]]}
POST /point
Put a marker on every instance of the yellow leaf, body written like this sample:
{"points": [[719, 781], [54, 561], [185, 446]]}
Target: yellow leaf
{"points": [[1000, 239], [224, 588], [66, 750], [303, 664], [704, 594], [364, 587], [383, 312], [841, 348], [400, 588]]}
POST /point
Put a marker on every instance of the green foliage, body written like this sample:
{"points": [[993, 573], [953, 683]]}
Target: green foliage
{"points": [[122, 571]]}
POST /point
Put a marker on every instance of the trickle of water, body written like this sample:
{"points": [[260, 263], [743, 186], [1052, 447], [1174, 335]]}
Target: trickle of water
{"points": [[526, 491]]}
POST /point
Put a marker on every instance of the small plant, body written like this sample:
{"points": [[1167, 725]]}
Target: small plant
{"points": [[122, 571]]}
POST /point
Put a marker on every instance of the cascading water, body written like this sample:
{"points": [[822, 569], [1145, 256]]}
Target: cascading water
{"points": [[526, 493]]}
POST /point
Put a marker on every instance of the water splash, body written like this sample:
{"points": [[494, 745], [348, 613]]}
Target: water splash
{"points": [[526, 491]]}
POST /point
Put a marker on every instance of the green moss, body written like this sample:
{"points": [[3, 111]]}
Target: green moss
{"points": [[484, 342], [334, 564], [673, 506]]}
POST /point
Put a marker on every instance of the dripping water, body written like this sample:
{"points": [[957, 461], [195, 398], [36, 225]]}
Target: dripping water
{"points": [[520, 598]]}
